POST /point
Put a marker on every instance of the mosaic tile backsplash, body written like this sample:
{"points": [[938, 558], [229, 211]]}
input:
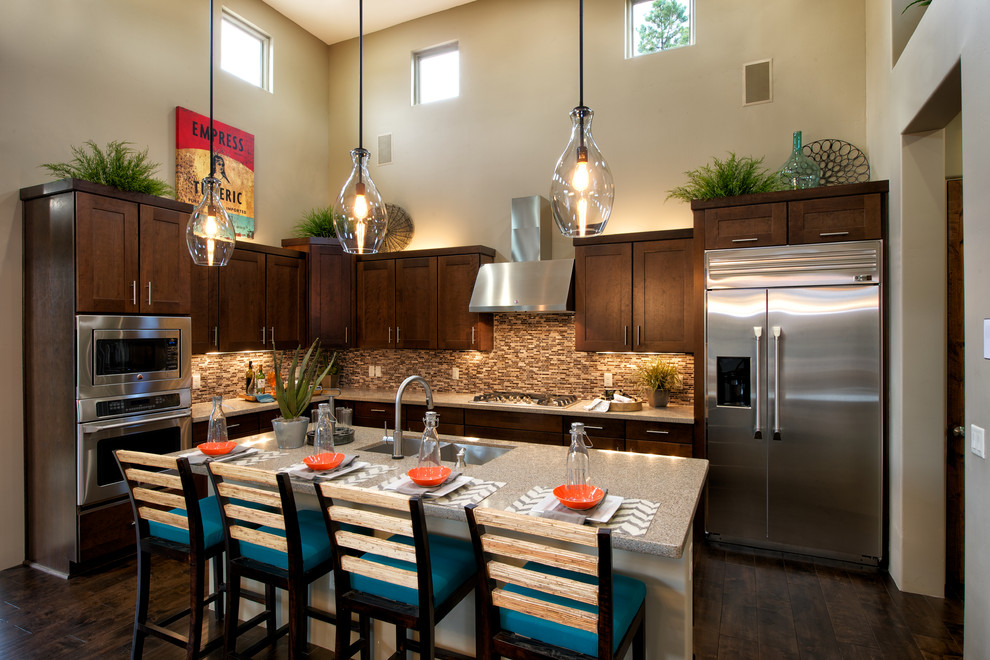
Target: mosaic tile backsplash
{"points": [[533, 353]]}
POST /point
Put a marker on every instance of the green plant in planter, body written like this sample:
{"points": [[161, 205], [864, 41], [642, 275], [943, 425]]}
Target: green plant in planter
{"points": [[293, 395], [317, 222], [657, 374], [116, 165], [727, 178]]}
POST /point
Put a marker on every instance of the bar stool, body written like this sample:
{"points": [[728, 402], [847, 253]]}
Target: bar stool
{"points": [[171, 521], [410, 579], [542, 602], [269, 541]]}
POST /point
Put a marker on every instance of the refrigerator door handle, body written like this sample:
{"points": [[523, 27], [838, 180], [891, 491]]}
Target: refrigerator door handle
{"points": [[757, 429], [776, 382]]}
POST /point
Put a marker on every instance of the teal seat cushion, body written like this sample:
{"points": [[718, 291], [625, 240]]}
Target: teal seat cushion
{"points": [[451, 563], [314, 538], [209, 511], [627, 596]]}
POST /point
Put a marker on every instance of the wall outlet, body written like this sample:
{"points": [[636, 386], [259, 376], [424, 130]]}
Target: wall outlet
{"points": [[977, 442], [608, 380], [197, 381], [371, 371], [455, 373], [378, 371]]}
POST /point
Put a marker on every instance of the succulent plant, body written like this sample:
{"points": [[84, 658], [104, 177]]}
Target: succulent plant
{"points": [[293, 395]]}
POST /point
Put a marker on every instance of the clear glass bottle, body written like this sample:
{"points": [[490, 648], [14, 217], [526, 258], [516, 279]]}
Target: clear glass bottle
{"points": [[799, 172], [217, 430], [259, 381], [578, 458], [249, 379], [429, 446], [582, 190], [323, 441]]}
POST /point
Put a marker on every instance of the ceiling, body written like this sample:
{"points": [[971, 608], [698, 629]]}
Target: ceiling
{"points": [[337, 20]]}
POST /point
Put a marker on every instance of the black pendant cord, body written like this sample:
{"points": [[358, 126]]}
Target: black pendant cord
{"points": [[581, 155], [360, 79], [213, 167]]}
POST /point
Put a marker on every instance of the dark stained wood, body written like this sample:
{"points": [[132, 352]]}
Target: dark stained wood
{"points": [[596, 427], [68, 185], [330, 277], [285, 295], [242, 302], [457, 328], [830, 219], [204, 316], [376, 303], [416, 303], [955, 459], [659, 431], [165, 262], [793, 195], [663, 296], [661, 235], [757, 225], [451, 419], [107, 277], [603, 297], [375, 415], [104, 530], [432, 252], [509, 419], [657, 447]]}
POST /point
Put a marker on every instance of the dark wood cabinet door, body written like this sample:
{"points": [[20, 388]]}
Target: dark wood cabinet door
{"points": [[416, 302], [331, 300], [204, 314], [753, 225], [242, 303], [165, 262], [603, 297], [830, 219], [285, 288], [457, 328], [376, 303], [663, 296], [107, 277], [662, 448]]}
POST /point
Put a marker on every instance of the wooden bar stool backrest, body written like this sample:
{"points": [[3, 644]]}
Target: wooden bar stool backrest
{"points": [[158, 485], [372, 517], [504, 541]]}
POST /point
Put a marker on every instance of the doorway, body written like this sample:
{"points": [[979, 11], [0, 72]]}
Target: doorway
{"points": [[955, 435]]}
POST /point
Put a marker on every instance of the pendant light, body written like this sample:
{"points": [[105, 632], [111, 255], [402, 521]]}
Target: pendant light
{"points": [[210, 233], [581, 191], [360, 218]]}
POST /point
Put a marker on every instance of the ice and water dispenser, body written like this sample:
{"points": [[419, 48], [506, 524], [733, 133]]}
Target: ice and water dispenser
{"points": [[732, 374]]}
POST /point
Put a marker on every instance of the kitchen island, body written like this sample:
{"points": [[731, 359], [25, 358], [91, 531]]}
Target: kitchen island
{"points": [[661, 557]]}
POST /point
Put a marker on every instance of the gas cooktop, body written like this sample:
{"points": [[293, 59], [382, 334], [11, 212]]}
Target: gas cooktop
{"points": [[528, 399]]}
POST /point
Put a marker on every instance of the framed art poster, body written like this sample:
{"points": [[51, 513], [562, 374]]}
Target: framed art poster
{"points": [[234, 166]]}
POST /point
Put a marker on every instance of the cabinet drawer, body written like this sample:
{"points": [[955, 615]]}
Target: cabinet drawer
{"points": [[660, 432], [596, 427], [746, 226], [451, 419], [105, 530], [663, 448], [516, 435], [369, 413], [512, 420], [852, 218], [599, 442], [242, 426]]}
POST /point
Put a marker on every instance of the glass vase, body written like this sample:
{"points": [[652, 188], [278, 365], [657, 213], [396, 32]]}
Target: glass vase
{"points": [[799, 171], [217, 430], [578, 458]]}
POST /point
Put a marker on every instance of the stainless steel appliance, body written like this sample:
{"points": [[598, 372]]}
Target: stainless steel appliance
{"points": [[132, 392], [794, 398]]}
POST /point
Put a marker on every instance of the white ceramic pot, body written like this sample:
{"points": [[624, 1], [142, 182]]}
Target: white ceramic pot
{"points": [[290, 433]]}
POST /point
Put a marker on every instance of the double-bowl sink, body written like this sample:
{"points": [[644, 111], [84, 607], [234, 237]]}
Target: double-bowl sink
{"points": [[474, 454]]}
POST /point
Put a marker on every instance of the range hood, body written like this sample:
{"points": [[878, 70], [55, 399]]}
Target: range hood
{"points": [[528, 283]]}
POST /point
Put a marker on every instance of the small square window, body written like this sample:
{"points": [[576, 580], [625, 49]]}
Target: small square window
{"points": [[656, 25], [436, 74], [245, 51]]}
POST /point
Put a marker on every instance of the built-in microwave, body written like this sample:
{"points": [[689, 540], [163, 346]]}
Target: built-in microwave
{"points": [[125, 355]]}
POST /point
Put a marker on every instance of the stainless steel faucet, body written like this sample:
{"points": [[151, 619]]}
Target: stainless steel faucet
{"points": [[397, 433]]}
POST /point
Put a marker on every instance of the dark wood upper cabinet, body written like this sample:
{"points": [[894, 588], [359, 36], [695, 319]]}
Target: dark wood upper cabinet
{"points": [[754, 225], [663, 296], [285, 280], [330, 286], [416, 302], [242, 303], [603, 297], [376, 303], [851, 218], [205, 314], [165, 262], [457, 328]]}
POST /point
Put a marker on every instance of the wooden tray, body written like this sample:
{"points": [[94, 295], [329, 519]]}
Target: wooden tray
{"points": [[619, 406], [248, 397]]}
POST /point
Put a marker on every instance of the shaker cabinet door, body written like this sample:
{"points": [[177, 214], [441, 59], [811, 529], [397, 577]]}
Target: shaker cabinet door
{"points": [[107, 277], [376, 303], [603, 297], [165, 262], [285, 279], [416, 302], [242, 303], [663, 296], [457, 328]]}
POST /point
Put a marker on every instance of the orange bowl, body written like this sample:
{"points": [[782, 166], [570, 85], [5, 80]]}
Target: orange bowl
{"points": [[429, 476], [579, 497], [325, 461], [217, 448]]}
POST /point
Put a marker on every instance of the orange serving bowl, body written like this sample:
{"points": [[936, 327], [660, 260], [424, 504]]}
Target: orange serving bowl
{"points": [[217, 448], [325, 461], [579, 497], [429, 476]]}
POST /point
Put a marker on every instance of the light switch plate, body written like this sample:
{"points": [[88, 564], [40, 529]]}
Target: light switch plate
{"points": [[197, 381], [371, 371], [608, 380], [378, 371], [455, 373], [986, 339], [977, 441]]}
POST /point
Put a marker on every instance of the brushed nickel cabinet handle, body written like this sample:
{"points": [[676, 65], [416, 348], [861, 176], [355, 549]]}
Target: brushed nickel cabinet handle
{"points": [[639, 333], [272, 336], [397, 334], [593, 428], [216, 334], [825, 234], [133, 292], [625, 335], [149, 292], [345, 333], [658, 432], [378, 410], [745, 240], [472, 335], [390, 334], [262, 335]]}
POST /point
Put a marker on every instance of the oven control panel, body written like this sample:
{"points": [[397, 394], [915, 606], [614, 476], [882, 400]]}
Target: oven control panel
{"points": [[118, 407]]}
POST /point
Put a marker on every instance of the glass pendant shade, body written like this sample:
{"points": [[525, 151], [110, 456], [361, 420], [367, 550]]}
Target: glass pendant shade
{"points": [[210, 233], [360, 218], [582, 190]]}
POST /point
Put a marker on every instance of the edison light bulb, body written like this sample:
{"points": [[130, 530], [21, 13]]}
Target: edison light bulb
{"points": [[210, 233], [359, 214], [581, 192]]}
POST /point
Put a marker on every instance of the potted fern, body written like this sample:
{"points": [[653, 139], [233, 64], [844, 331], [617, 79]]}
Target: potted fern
{"points": [[736, 175], [294, 394], [658, 378]]}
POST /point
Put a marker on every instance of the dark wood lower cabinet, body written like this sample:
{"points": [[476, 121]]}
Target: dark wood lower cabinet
{"points": [[451, 419], [512, 425], [106, 530]]}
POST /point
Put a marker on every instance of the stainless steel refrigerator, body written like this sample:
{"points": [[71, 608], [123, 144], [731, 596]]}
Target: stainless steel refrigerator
{"points": [[794, 394]]}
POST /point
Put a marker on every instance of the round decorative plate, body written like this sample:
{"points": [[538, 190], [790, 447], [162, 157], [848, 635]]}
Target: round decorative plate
{"points": [[840, 162], [399, 231]]}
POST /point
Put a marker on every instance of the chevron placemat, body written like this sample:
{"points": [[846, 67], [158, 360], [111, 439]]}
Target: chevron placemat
{"points": [[364, 474], [632, 518], [471, 493], [254, 459]]}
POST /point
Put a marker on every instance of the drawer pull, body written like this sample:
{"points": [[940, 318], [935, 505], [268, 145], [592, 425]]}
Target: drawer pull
{"points": [[232, 426], [745, 240], [593, 428], [825, 234], [658, 432], [378, 410]]}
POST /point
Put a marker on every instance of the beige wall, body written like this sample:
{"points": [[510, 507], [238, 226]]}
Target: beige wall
{"points": [[457, 163], [115, 70]]}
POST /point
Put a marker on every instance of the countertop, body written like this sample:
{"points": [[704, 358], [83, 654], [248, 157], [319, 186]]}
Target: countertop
{"points": [[674, 483], [673, 414]]}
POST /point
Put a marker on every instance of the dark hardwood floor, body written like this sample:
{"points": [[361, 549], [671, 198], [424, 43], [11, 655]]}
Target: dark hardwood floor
{"points": [[748, 604]]}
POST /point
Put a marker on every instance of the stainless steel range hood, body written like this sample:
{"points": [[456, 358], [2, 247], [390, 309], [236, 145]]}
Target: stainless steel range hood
{"points": [[528, 283]]}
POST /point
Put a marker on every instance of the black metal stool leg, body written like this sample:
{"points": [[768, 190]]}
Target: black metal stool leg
{"points": [[141, 606]]}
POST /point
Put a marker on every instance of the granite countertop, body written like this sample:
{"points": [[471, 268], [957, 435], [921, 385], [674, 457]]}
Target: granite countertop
{"points": [[674, 414], [674, 483]]}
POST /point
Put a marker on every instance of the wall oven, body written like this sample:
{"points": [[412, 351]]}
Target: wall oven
{"points": [[132, 392]]}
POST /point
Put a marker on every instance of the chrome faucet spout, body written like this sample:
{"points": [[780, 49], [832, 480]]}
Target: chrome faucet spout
{"points": [[397, 433]]}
